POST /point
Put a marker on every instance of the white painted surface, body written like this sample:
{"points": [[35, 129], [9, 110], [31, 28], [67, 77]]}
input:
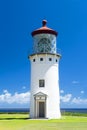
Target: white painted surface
{"points": [[49, 71]]}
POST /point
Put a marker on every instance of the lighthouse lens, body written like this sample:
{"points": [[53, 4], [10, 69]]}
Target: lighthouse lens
{"points": [[44, 45]]}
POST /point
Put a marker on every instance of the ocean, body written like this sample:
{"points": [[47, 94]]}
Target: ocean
{"points": [[13, 110], [8, 110], [75, 110]]}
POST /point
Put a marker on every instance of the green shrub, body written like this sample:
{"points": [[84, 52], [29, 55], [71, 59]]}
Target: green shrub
{"points": [[74, 114]]}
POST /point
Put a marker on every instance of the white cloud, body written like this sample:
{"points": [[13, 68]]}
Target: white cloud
{"points": [[24, 98], [75, 82], [66, 98], [24, 87], [61, 91], [5, 91], [78, 100], [82, 92], [20, 98]]}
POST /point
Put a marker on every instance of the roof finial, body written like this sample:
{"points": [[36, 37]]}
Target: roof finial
{"points": [[44, 22]]}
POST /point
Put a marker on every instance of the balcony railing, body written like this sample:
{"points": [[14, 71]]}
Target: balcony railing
{"points": [[32, 52]]}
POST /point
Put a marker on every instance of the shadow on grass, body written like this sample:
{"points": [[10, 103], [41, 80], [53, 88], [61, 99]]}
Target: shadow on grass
{"points": [[14, 118]]}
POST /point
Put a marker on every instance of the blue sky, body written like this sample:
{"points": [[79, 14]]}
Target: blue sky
{"points": [[18, 18]]}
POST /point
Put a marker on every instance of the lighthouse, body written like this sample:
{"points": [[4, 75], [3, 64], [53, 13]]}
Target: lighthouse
{"points": [[44, 99]]}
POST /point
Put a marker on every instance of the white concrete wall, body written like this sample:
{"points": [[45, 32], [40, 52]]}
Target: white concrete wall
{"points": [[49, 71]]}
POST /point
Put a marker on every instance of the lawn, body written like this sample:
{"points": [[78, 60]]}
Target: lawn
{"points": [[21, 122]]}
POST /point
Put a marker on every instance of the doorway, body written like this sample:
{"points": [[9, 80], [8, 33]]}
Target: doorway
{"points": [[42, 109], [40, 105]]}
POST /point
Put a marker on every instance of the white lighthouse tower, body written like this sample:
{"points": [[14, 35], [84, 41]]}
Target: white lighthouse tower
{"points": [[45, 99]]}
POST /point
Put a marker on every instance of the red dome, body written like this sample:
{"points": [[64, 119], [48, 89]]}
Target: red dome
{"points": [[44, 29]]}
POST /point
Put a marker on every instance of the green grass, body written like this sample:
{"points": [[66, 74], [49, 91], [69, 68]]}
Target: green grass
{"points": [[21, 122]]}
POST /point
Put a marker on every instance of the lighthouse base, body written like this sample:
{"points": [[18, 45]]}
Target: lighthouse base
{"points": [[42, 109]]}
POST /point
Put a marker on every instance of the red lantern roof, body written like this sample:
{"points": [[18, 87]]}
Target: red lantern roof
{"points": [[44, 29]]}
